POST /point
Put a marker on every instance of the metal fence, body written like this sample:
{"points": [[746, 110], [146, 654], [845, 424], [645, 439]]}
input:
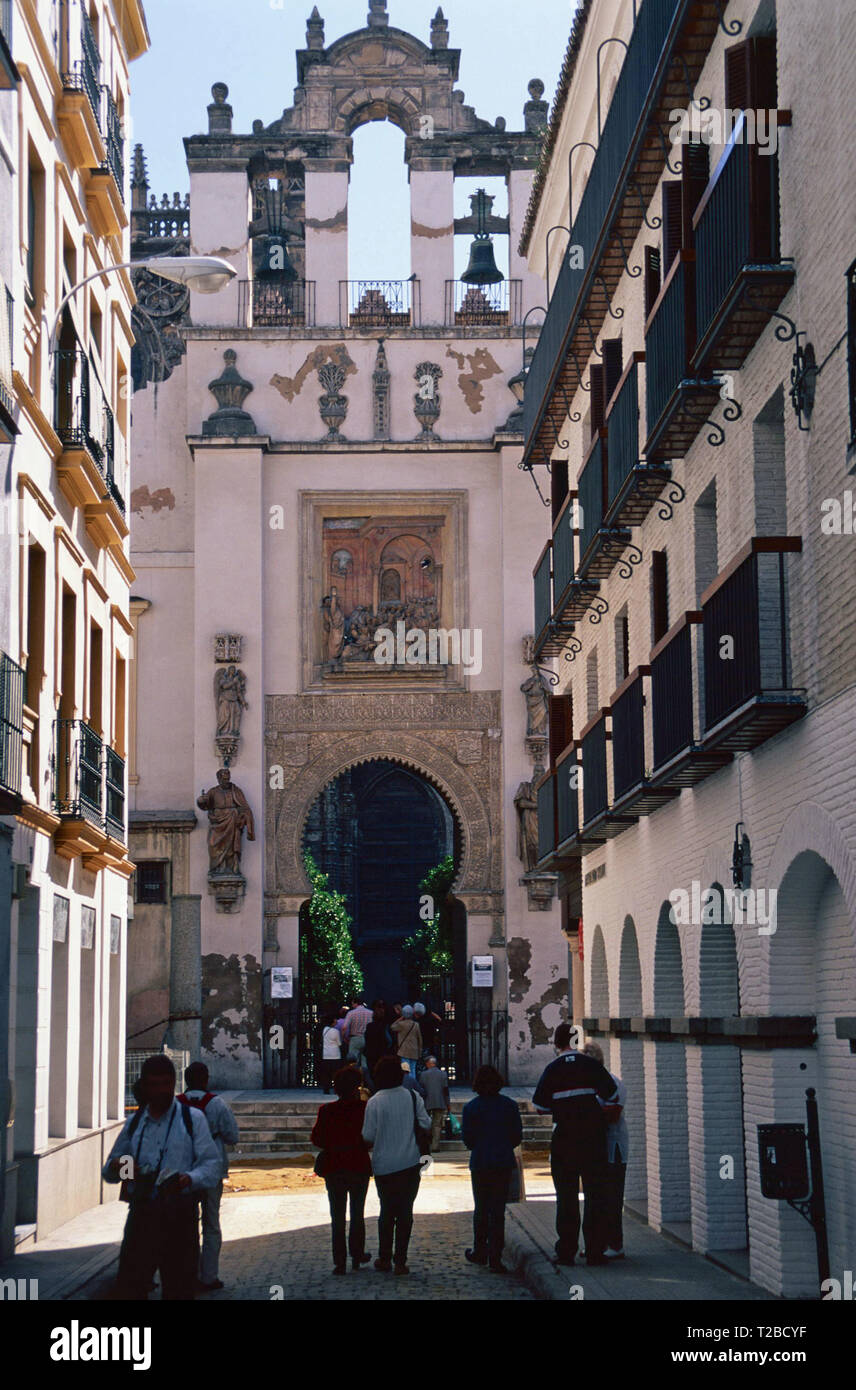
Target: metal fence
{"points": [[484, 305], [268, 304], [380, 304]]}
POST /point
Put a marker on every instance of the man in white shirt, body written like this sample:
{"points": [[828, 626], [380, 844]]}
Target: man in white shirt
{"points": [[165, 1155], [224, 1132], [618, 1149]]}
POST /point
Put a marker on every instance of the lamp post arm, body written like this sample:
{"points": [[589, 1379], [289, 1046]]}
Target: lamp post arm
{"points": [[107, 270]]}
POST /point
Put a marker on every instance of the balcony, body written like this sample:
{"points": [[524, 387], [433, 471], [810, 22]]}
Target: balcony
{"points": [[91, 468], [114, 139], [483, 306], [88, 794], [546, 796], [599, 822], [748, 696], [8, 427], [79, 106], [741, 276], [633, 792], [9, 75], [678, 757], [268, 304], [601, 546], [11, 734], [632, 486], [677, 404], [567, 805], [667, 50], [380, 304], [105, 186]]}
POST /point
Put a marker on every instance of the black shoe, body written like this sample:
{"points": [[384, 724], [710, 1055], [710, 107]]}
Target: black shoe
{"points": [[475, 1259], [340, 1269], [383, 1265], [357, 1260]]}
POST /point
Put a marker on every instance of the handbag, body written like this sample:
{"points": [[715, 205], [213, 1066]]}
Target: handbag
{"points": [[422, 1136], [319, 1167]]}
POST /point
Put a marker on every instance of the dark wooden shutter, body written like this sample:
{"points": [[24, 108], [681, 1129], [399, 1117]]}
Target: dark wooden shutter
{"points": [[598, 386], [672, 222], [659, 596], [561, 725], [611, 367], [750, 74], [558, 484], [737, 76], [652, 278], [695, 158]]}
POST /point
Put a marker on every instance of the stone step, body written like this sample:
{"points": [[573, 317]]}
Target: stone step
{"points": [[251, 1151], [288, 1135], [310, 1105]]}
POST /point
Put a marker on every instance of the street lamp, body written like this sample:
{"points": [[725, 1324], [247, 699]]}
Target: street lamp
{"points": [[202, 274]]}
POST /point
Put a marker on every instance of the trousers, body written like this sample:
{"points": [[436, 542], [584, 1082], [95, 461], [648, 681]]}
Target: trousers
{"points": [[341, 1187], [572, 1161], [396, 1193], [616, 1173], [212, 1239], [490, 1189], [164, 1240]]}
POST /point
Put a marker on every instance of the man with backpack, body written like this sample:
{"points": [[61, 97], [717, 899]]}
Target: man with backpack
{"points": [[163, 1157], [224, 1132]]}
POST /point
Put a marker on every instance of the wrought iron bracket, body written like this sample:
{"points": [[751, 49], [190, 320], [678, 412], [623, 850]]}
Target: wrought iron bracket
{"points": [[804, 367], [581, 144], [703, 103], [574, 647], [600, 47], [667, 149], [613, 313], [528, 468], [732, 29], [805, 1207], [651, 222], [636, 271], [599, 607], [552, 677]]}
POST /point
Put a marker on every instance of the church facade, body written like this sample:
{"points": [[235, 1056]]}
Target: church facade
{"points": [[332, 541]]}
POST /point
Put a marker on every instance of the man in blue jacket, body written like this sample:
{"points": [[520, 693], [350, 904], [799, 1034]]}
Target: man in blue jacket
{"points": [[570, 1088], [491, 1129]]}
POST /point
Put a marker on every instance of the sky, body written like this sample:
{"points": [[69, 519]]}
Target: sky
{"points": [[250, 45]]}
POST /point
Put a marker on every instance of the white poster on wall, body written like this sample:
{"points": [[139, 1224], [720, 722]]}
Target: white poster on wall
{"points": [[482, 972], [281, 982]]}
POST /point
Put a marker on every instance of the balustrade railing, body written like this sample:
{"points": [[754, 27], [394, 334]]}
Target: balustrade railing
{"points": [[628, 739], [672, 716], [567, 796], [84, 420], [11, 723], [85, 73], [623, 425], [114, 140], [88, 778], [667, 342], [595, 790], [543, 591], [746, 638], [484, 305], [563, 547], [380, 304], [590, 490], [547, 816], [267, 304]]}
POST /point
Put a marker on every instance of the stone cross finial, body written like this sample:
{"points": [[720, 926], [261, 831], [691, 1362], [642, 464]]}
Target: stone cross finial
{"points": [[219, 111], [439, 30], [536, 110], [377, 17], [315, 30]]}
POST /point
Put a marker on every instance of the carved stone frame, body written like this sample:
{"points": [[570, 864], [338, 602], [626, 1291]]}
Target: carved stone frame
{"points": [[452, 504]]}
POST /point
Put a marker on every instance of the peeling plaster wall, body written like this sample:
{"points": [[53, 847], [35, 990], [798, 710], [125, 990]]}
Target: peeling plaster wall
{"points": [[231, 1020]]}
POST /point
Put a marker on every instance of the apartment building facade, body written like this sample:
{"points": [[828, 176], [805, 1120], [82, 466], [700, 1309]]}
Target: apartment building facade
{"points": [[691, 406], [64, 581]]}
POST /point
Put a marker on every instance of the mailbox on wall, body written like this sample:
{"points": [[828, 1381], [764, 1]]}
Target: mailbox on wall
{"points": [[784, 1162]]}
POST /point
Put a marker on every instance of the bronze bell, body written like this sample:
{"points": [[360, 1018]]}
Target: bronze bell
{"points": [[482, 269], [276, 264]]}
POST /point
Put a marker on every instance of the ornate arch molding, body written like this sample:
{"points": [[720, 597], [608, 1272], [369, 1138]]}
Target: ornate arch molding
{"points": [[378, 103], [413, 752]]}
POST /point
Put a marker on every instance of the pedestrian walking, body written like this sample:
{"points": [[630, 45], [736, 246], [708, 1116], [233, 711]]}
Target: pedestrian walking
{"points": [[389, 1129], [357, 1021], [345, 1167], [164, 1157], [378, 1037], [331, 1052], [570, 1088], [407, 1038], [617, 1153], [223, 1128], [429, 1026], [435, 1085], [491, 1129]]}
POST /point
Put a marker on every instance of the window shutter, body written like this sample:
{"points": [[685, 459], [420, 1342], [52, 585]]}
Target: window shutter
{"points": [[611, 367], [561, 725], [737, 77], [558, 484], [695, 158], [598, 384], [659, 596], [672, 217], [652, 278]]}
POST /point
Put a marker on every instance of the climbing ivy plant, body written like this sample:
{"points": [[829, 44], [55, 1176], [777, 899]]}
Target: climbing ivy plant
{"points": [[429, 949], [327, 946]]}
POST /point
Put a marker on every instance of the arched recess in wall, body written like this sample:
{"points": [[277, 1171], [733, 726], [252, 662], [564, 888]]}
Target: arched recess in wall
{"points": [[628, 1061], [669, 1203], [599, 992], [716, 1103]]}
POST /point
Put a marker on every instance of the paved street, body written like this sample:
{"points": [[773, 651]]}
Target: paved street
{"points": [[280, 1240]]}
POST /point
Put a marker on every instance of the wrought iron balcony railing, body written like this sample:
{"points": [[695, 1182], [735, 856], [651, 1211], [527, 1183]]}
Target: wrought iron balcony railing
{"points": [[267, 304], [748, 694], [595, 790], [546, 795], [380, 304], [543, 592], [88, 778], [11, 724], [114, 139], [623, 426], [628, 737], [485, 306], [669, 341], [563, 546], [6, 20], [84, 420], [591, 496], [7, 395], [567, 795], [85, 74], [672, 696]]}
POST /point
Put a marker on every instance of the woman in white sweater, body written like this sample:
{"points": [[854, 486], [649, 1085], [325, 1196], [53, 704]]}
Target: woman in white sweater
{"points": [[389, 1132]]}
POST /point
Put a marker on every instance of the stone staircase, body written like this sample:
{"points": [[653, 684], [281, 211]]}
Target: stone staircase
{"points": [[277, 1125]]}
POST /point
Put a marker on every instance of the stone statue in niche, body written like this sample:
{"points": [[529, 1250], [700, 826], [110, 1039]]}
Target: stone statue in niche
{"points": [[333, 620], [229, 815], [230, 689], [537, 693], [526, 806]]}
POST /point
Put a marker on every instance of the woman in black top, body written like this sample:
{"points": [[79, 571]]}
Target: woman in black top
{"points": [[378, 1041]]}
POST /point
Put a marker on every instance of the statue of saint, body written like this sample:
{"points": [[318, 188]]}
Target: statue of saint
{"points": [[527, 826], [229, 815], [230, 688], [537, 693], [334, 625]]}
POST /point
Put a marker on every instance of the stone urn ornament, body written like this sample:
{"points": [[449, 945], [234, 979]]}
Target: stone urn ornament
{"points": [[333, 405], [230, 390], [426, 402]]}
